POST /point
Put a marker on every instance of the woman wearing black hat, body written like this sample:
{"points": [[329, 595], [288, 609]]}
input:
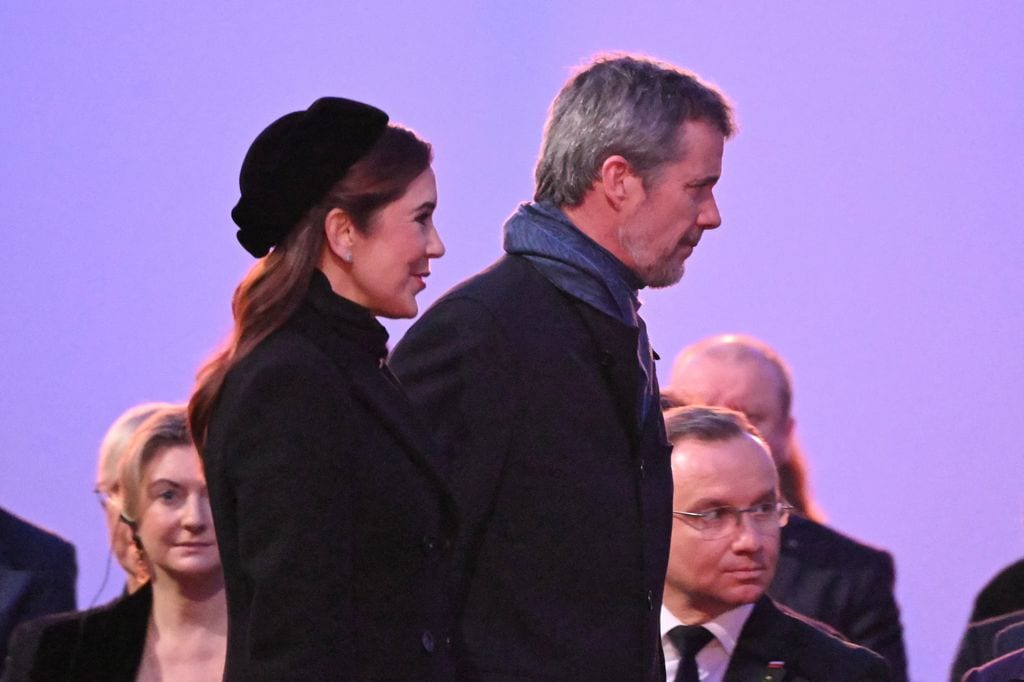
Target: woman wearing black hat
{"points": [[333, 521]]}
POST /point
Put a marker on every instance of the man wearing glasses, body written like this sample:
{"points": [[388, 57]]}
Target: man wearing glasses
{"points": [[822, 573], [717, 623]]}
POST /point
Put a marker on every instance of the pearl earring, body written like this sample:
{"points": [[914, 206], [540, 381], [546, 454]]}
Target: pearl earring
{"points": [[347, 257]]}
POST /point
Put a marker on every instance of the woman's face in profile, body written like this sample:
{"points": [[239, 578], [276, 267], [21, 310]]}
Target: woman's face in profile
{"points": [[175, 525], [391, 262]]}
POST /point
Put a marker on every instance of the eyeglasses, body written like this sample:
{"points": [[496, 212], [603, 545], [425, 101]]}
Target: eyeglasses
{"points": [[102, 496], [107, 494], [767, 517]]}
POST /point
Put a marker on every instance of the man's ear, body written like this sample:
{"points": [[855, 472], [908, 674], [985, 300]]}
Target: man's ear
{"points": [[621, 185], [339, 231], [790, 427]]}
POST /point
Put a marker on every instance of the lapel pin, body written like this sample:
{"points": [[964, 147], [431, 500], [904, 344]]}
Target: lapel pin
{"points": [[775, 672]]}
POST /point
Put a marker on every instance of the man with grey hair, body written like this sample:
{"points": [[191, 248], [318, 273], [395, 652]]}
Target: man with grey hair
{"points": [[821, 573], [538, 379]]}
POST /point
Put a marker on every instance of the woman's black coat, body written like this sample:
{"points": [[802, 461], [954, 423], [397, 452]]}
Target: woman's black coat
{"points": [[334, 524]]}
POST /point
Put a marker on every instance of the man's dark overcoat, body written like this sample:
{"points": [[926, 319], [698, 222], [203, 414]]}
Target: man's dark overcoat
{"points": [[335, 526], [533, 396]]}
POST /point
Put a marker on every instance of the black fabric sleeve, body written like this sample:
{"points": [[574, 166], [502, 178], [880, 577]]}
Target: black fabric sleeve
{"points": [[290, 483]]}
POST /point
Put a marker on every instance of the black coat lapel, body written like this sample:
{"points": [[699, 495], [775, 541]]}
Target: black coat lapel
{"points": [[765, 637], [616, 347], [377, 390]]}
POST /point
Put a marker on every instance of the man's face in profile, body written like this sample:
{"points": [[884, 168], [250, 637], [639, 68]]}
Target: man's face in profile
{"points": [[679, 205]]}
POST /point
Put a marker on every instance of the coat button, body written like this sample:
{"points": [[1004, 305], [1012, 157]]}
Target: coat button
{"points": [[429, 543], [650, 600], [607, 359], [428, 641], [448, 642], [642, 466]]}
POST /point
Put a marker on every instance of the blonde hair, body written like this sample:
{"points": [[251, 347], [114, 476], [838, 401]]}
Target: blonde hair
{"points": [[165, 427], [112, 447]]}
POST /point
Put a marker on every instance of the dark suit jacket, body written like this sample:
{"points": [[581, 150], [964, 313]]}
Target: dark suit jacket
{"points": [[37, 574], [830, 577], [1010, 638], [808, 653], [567, 500], [334, 524], [1002, 594], [978, 644], [1008, 668], [103, 644]]}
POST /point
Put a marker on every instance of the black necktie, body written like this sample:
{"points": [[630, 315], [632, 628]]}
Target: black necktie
{"points": [[689, 639]]}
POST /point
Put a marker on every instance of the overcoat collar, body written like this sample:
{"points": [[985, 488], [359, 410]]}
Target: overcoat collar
{"points": [[357, 343], [616, 343]]}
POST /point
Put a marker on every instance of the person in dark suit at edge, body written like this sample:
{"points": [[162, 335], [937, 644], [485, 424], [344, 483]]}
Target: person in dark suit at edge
{"points": [[985, 640], [821, 573], [998, 606], [1007, 668], [538, 378], [717, 622], [37, 574], [1002, 594]]}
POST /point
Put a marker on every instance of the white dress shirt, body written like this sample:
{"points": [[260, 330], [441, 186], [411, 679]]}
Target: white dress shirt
{"points": [[713, 659]]}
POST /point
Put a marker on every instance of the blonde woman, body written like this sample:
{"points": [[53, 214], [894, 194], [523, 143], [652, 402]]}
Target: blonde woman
{"points": [[174, 627]]}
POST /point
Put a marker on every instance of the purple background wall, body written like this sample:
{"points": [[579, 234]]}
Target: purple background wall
{"points": [[872, 207]]}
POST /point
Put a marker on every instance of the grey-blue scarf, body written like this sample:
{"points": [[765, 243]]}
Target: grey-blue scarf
{"points": [[581, 268]]}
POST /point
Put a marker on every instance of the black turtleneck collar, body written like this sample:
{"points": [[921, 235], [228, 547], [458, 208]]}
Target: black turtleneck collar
{"points": [[348, 319]]}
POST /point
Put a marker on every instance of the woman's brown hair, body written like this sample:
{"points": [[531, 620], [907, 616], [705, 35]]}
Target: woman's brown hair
{"points": [[272, 290]]}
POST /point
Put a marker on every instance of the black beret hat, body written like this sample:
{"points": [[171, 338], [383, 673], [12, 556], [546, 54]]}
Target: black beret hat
{"points": [[290, 166]]}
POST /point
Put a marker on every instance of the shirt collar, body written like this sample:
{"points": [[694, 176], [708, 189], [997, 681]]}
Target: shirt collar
{"points": [[726, 628]]}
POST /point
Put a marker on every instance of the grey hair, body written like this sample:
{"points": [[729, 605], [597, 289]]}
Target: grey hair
{"points": [[621, 105], [707, 424]]}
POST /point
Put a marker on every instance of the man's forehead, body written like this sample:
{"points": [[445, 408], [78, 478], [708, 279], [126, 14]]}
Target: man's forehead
{"points": [[708, 462], [719, 379]]}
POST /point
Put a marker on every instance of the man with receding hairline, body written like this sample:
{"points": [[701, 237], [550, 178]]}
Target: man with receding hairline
{"points": [[717, 623], [538, 379], [822, 574]]}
